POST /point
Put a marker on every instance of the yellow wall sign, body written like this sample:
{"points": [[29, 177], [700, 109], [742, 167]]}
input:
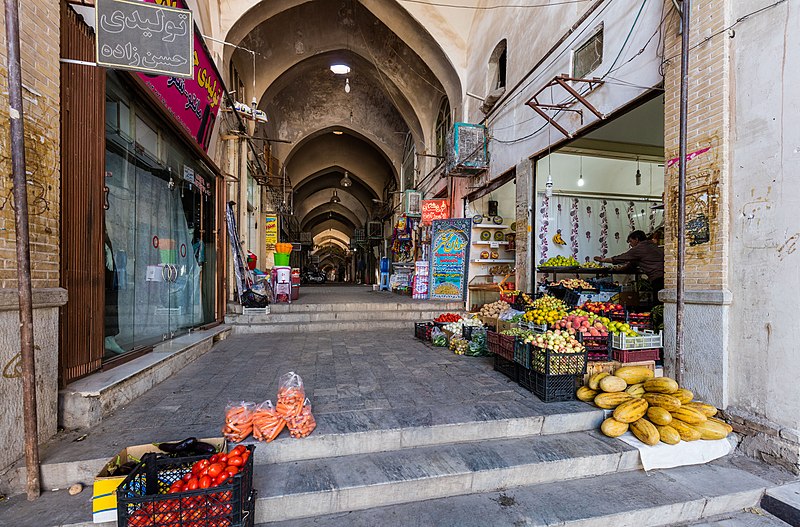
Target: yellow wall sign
{"points": [[271, 230]]}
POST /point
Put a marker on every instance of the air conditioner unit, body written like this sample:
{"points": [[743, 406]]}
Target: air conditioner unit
{"points": [[467, 148], [412, 203], [359, 235]]}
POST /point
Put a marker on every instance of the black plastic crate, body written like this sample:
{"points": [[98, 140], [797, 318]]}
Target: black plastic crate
{"points": [[421, 329], [507, 367], [522, 353], [549, 388], [142, 498], [552, 362], [501, 345]]}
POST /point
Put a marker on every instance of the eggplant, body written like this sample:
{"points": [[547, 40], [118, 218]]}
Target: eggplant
{"points": [[202, 448], [181, 447]]}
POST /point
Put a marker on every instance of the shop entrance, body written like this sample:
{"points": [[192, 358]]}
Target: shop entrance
{"points": [[159, 255]]}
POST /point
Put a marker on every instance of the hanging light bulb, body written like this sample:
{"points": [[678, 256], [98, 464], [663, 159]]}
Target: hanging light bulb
{"points": [[548, 186], [638, 173], [580, 177], [347, 85], [346, 181], [335, 197]]}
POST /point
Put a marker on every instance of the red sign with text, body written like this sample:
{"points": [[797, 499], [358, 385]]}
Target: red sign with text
{"points": [[434, 209]]}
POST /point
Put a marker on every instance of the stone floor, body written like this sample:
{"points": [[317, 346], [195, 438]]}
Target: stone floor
{"points": [[389, 378]]}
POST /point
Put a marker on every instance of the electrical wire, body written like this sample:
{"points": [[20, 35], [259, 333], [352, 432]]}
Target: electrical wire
{"points": [[490, 8], [726, 29]]}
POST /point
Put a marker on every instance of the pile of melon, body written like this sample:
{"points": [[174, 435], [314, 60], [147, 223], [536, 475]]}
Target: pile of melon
{"points": [[653, 408]]}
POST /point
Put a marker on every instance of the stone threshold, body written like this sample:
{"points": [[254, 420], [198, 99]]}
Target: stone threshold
{"points": [[87, 401]]}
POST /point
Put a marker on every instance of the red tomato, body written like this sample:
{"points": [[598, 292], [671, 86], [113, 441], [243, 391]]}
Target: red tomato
{"points": [[245, 456], [213, 459], [231, 470], [176, 487], [235, 461], [223, 458], [192, 484], [215, 469], [205, 482], [222, 478], [237, 451], [199, 466]]}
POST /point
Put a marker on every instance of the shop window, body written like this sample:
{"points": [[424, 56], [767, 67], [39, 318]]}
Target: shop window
{"points": [[118, 116], [147, 137], [443, 124], [588, 56]]}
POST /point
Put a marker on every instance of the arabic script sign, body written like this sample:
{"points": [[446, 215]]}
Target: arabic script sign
{"points": [[434, 209], [145, 37], [194, 102], [449, 257]]}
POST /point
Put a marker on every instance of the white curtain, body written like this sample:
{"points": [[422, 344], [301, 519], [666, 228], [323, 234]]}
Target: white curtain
{"points": [[590, 226]]}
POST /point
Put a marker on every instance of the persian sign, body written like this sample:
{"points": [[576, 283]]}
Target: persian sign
{"points": [[145, 37], [434, 209], [193, 101], [450, 242], [271, 230]]}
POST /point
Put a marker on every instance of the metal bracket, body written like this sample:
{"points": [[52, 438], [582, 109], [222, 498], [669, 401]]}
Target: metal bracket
{"points": [[562, 82]]}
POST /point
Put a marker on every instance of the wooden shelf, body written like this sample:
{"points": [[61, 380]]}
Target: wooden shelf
{"points": [[489, 226], [493, 261], [489, 243]]}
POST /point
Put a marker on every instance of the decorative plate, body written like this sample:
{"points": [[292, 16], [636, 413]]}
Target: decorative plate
{"points": [[495, 255], [486, 236], [484, 255], [498, 220], [514, 226], [499, 236], [477, 219]]}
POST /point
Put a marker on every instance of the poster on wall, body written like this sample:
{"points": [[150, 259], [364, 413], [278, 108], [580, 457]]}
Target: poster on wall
{"points": [[420, 280], [193, 101], [271, 231], [434, 209], [449, 256]]}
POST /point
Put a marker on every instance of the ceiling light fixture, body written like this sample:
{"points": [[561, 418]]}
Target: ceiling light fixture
{"points": [[346, 181], [580, 177], [335, 197], [337, 132], [347, 85], [340, 69], [638, 173]]}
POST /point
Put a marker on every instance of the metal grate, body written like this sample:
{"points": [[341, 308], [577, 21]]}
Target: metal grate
{"points": [[588, 56]]}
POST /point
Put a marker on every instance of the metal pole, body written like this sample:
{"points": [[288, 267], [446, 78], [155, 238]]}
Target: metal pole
{"points": [[684, 108], [23, 250]]}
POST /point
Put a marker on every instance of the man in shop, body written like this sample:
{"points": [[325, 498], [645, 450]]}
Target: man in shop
{"points": [[643, 255]]}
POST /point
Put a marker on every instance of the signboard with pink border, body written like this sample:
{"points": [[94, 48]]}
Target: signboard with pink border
{"points": [[194, 102]]}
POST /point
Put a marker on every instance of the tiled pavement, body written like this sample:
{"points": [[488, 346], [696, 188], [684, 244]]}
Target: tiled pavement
{"points": [[377, 380]]}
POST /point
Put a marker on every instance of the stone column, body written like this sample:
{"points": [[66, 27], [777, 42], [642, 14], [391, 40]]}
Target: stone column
{"points": [[524, 219]]}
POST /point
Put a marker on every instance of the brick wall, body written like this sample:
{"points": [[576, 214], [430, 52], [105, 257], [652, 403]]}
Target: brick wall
{"points": [[39, 36], [708, 128]]}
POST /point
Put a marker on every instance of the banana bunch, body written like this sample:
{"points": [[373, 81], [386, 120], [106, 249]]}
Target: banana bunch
{"points": [[558, 240]]}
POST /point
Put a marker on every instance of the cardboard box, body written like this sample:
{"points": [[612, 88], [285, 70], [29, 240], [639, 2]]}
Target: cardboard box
{"points": [[489, 321], [503, 325], [104, 496]]}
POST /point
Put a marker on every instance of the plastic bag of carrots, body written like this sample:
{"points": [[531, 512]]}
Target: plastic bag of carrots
{"points": [[302, 424], [267, 422], [238, 421], [291, 395]]}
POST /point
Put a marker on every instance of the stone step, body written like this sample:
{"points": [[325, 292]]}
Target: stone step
{"points": [[784, 502], [751, 517], [411, 315], [305, 327], [422, 305], [334, 485], [344, 433], [624, 499]]}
